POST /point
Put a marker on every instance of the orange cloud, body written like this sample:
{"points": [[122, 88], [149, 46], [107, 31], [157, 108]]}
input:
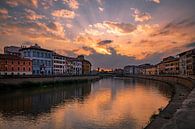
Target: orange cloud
{"points": [[3, 11], [12, 3], [140, 16], [155, 1], [101, 9], [72, 3], [28, 3], [110, 27], [141, 41], [64, 13], [32, 15]]}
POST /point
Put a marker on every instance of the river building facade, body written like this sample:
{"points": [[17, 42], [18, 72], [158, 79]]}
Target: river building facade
{"points": [[86, 65], [15, 65], [42, 59], [187, 62], [59, 64], [131, 70], [12, 50]]}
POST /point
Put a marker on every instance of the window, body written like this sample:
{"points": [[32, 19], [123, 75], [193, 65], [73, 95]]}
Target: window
{"points": [[29, 69], [29, 62], [12, 62], [6, 68], [23, 63], [34, 54], [24, 54], [23, 68], [6, 61], [12, 69], [28, 54], [18, 68], [18, 62]]}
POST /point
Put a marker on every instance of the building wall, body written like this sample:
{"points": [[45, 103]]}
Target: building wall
{"points": [[77, 67], [42, 60], [187, 62], [12, 50], [59, 65], [131, 70], [172, 67], [151, 71], [86, 67], [17, 66]]}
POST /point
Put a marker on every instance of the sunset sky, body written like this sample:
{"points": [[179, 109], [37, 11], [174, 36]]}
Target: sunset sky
{"points": [[110, 33]]}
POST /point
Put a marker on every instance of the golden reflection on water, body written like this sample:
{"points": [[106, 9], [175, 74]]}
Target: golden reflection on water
{"points": [[103, 107], [108, 103]]}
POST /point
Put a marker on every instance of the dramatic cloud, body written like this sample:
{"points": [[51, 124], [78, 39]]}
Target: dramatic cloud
{"points": [[104, 42], [63, 13], [155, 1], [68, 25], [110, 27], [100, 2], [190, 45], [32, 15], [140, 16], [3, 11], [101, 9], [12, 3], [47, 3], [4, 14], [35, 30], [27, 3], [72, 3]]}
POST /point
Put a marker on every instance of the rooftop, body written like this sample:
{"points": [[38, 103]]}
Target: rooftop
{"points": [[35, 47]]}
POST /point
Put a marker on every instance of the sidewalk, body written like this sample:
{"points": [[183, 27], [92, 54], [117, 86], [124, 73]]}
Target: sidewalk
{"points": [[184, 118]]}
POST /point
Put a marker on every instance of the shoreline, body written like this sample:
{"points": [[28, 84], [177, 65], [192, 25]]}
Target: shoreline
{"points": [[17, 83], [182, 88]]}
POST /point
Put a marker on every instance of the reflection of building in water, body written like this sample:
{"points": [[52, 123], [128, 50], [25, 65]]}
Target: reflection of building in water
{"points": [[41, 100], [164, 89]]}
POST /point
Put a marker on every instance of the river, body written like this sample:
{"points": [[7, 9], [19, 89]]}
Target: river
{"points": [[111, 103]]}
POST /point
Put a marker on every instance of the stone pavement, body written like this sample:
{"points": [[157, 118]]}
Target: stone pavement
{"points": [[184, 118]]}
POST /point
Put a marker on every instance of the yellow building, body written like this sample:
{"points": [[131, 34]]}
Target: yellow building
{"points": [[151, 70], [86, 65]]}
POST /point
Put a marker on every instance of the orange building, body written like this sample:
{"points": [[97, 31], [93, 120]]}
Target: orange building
{"points": [[151, 70], [15, 65], [86, 65], [169, 66]]}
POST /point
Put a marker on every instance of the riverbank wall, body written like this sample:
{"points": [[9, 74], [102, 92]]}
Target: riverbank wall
{"points": [[180, 112], [25, 82], [172, 80]]}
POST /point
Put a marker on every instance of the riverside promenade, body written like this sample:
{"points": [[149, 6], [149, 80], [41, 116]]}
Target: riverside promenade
{"points": [[180, 112], [33, 81]]}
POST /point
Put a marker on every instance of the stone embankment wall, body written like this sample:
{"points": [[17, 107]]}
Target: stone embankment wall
{"points": [[32, 81], [184, 81]]}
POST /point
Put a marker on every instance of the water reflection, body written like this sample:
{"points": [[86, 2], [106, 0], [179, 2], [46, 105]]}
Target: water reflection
{"points": [[108, 103]]}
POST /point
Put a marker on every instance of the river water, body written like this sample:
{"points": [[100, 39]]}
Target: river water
{"points": [[111, 103]]}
